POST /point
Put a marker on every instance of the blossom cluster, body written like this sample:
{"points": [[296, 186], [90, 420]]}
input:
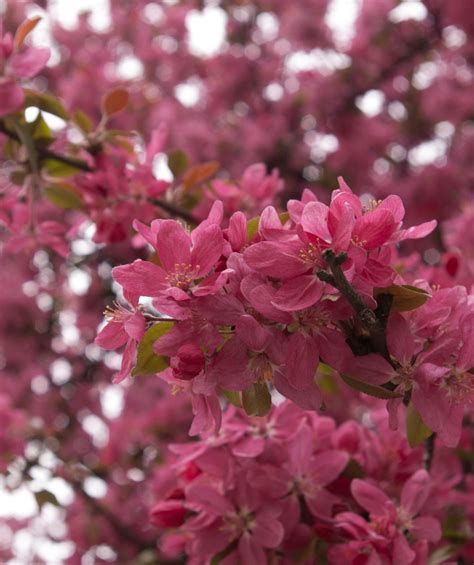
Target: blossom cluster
{"points": [[296, 487], [253, 306]]}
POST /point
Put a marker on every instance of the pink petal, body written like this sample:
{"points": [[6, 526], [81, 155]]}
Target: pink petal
{"points": [[374, 229], [267, 531], [275, 259], [416, 232], [370, 497], [371, 368], [308, 399], [135, 326], [298, 293], [402, 552], [128, 360], [29, 62], [300, 451], [11, 96], [394, 205], [315, 220], [237, 231], [250, 551], [207, 249], [141, 278], [328, 466], [415, 492], [426, 527], [253, 334], [112, 336], [400, 341], [208, 498], [174, 245], [207, 415], [302, 361]]}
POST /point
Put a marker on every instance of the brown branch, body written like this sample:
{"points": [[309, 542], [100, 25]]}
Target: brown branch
{"points": [[373, 323], [123, 530], [174, 210], [45, 153]]}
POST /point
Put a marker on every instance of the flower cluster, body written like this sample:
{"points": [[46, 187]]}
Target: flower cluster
{"points": [[262, 305], [297, 487]]}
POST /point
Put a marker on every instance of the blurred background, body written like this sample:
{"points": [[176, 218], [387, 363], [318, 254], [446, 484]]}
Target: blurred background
{"points": [[378, 91]]}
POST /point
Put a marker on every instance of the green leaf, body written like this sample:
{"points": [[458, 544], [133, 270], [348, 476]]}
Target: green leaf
{"points": [[40, 131], [82, 120], [64, 196], [257, 400], [44, 496], [56, 168], [147, 360], [177, 162], [47, 103], [26, 139], [252, 227], [371, 390], [233, 397], [405, 297], [417, 432]]}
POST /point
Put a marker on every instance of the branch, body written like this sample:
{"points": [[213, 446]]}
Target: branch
{"points": [[373, 323], [174, 210], [45, 153], [123, 530], [429, 451]]}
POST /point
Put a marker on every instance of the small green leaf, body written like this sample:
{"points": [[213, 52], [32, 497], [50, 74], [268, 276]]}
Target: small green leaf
{"points": [[82, 120], [44, 496], [417, 432], [257, 400], [64, 196], [40, 131], [252, 227], [47, 103], [177, 162], [55, 168], [148, 362], [233, 397], [371, 390], [405, 297]]}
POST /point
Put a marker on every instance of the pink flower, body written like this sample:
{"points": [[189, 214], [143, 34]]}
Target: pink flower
{"points": [[125, 327], [184, 259]]}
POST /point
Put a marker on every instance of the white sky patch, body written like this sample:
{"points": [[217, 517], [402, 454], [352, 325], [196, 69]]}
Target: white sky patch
{"points": [[206, 31], [408, 10], [79, 281], [112, 401], [427, 152], [187, 93], [161, 171], [129, 68], [67, 12], [371, 103], [324, 60], [340, 18]]}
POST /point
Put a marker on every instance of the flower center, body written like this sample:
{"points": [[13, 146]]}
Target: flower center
{"points": [[117, 313], [183, 275]]}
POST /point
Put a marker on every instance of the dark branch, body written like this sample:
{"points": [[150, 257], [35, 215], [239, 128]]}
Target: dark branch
{"points": [[45, 153], [372, 323]]}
